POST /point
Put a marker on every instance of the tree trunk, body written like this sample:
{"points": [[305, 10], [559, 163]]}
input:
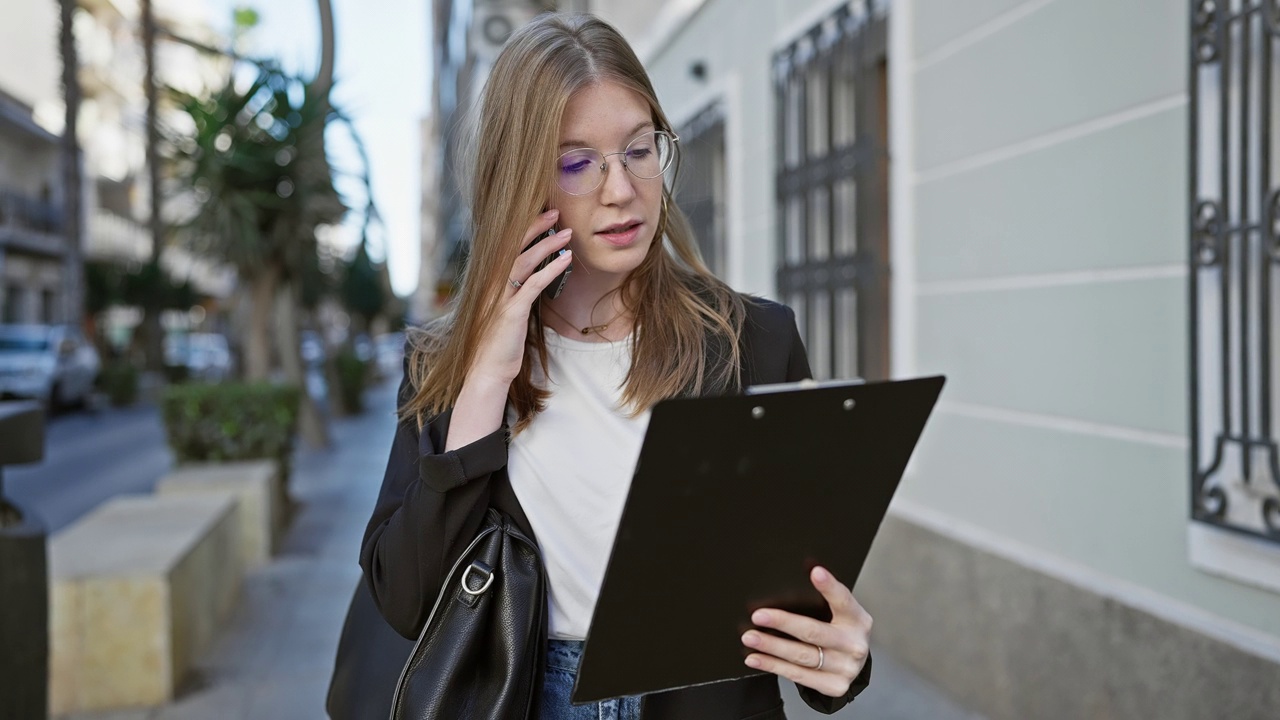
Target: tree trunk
{"points": [[262, 289], [152, 334], [72, 180], [313, 426]]}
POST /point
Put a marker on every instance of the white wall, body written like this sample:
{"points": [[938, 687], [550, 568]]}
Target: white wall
{"points": [[1044, 193]]}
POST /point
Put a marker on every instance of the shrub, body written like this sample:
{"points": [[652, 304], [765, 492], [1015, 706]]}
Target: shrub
{"points": [[231, 421], [119, 380], [353, 377]]}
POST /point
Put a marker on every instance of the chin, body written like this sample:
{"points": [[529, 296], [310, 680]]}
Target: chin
{"points": [[614, 262]]}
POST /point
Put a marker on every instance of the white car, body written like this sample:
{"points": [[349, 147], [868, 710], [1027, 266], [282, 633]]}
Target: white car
{"points": [[50, 363], [206, 355]]}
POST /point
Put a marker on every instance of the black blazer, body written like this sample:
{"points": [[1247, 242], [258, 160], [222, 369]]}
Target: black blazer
{"points": [[431, 505]]}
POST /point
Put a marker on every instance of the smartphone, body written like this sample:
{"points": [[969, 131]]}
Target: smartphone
{"points": [[557, 286]]}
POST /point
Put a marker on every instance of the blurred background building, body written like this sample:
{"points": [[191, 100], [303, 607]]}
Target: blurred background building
{"points": [[33, 246], [112, 134], [1076, 222]]}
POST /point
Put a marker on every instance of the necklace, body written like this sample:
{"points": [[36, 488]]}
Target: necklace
{"points": [[587, 330]]}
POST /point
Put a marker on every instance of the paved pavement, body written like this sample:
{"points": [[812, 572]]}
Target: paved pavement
{"points": [[273, 660]]}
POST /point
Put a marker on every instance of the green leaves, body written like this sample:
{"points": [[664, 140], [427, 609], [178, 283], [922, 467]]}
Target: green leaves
{"points": [[230, 421], [260, 179]]}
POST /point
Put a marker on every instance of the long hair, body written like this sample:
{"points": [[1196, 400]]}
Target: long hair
{"points": [[682, 313]]}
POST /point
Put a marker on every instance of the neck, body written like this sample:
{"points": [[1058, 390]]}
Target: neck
{"points": [[584, 305]]}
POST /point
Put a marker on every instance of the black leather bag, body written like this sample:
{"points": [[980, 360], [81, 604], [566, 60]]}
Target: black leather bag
{"points": [[482, 653]]}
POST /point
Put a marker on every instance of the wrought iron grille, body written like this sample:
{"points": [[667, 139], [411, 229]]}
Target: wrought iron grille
{"points": [[833, 190], [700, 189], [1234, 250]]}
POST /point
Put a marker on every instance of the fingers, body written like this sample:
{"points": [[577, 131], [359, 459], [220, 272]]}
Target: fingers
{"points": [[845, 641], [845, 609], [828, 683], [806, 630], [540, 225], [539, 281], [529, 260], [795, 652]]}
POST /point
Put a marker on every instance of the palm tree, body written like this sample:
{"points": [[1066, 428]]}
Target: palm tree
{"points": [[260, 189], [71, 176]]}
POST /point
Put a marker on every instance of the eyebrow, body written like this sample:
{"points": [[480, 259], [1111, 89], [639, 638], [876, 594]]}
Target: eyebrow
{"points": [[583, 143]]}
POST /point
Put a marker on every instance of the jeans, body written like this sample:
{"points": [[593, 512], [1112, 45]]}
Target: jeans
{"points": [[562, 669]]}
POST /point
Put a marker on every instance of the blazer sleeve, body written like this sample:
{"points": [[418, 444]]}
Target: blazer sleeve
{"points": [[430, 506], [798, 369]]}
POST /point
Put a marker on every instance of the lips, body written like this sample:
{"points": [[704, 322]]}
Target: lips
{"points": [[621, 235], [619, 228]]}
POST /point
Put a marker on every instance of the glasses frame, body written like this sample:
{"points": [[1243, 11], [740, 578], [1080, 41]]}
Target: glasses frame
{"points": [[604, 160]]}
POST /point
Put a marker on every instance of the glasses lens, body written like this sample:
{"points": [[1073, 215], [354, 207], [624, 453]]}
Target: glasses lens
{"points": [[649, 155], [578, 171]]}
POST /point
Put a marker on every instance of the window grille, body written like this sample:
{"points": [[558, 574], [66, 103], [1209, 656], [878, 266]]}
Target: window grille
{"points": [[831, 89], [1233, 251]]}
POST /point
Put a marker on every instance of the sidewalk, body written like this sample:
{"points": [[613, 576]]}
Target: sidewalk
{"points": [[274, 657]]}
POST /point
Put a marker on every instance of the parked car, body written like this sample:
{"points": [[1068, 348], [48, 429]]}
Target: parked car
{"points": [[50, 363], [206, 356]]}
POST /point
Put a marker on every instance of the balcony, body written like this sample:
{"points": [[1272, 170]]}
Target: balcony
{"points": [[31, 225]]}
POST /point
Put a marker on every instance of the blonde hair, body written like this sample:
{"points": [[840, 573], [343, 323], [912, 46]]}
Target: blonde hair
{"points": [[682, 312]]}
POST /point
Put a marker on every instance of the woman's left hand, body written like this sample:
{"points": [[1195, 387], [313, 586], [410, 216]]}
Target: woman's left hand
{"points": [[824, 656]]}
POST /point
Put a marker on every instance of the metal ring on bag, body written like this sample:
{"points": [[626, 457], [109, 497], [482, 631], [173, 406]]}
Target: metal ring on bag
{"points": [[483, 588]]}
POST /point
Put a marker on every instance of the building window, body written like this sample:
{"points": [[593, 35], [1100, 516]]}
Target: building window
{"points": [[1234, 248], [13, 304], [49, 306], [831, 90], [700, 188]]}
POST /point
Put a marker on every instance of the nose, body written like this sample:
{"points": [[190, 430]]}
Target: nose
{"points": [[618, 187]]}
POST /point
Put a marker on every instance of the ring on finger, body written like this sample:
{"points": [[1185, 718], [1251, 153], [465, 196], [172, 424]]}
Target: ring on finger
{"points": [[515, 283], [822, 658]]}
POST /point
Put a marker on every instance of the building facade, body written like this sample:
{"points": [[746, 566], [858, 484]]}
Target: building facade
{"points": [[1075, 222], [112, 131], [1069, 208], [33, 242]]}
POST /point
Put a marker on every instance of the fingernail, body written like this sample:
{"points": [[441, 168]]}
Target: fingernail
{"points": [[750, 639], [821, 575], [753, 662], [551, 213], [760, 617], [565, 232], [567, 253]]}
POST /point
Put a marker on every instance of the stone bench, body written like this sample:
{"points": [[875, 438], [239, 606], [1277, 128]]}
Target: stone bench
{"points": [[137, 589], [254, 485]]}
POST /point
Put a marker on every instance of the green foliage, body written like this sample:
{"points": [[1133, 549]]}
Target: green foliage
{"points": [[257, 165], [231, 421], [119, 380], [245, 17], [362, 292], [353, 377], [110, 283], [174, 374]]}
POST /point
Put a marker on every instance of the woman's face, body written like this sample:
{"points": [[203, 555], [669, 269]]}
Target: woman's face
{"points": [[613, 225]]}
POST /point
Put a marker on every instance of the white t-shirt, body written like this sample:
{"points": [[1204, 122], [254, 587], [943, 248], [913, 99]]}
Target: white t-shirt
{"points": [[571, 469]]}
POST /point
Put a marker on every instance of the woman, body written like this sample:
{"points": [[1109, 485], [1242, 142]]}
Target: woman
{"points": [[537, 405]]}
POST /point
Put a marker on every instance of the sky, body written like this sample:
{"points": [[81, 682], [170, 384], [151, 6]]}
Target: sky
{"points": [[383, 51]]}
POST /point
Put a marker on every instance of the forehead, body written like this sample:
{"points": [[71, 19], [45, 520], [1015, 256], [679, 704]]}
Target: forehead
{"points": [[601, 113]]}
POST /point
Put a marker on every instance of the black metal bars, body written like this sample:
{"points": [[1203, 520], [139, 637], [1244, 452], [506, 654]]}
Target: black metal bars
{"points": [[1233, 252], [832, 189]]}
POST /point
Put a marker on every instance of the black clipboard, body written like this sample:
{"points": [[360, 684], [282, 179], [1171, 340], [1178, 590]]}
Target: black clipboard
{"points": [[733, 501]]}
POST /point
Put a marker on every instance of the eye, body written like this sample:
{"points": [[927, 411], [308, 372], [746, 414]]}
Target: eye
{"points": [[575, 165], [639, 153]]}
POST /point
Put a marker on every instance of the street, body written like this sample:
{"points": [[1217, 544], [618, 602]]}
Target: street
{"points": [[91, 456]]}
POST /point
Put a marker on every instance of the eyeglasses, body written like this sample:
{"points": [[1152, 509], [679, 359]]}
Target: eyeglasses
{"points": [[582, 170]]}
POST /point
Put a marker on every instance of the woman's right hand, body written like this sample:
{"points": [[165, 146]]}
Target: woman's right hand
{"points": [[501, 351]]}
